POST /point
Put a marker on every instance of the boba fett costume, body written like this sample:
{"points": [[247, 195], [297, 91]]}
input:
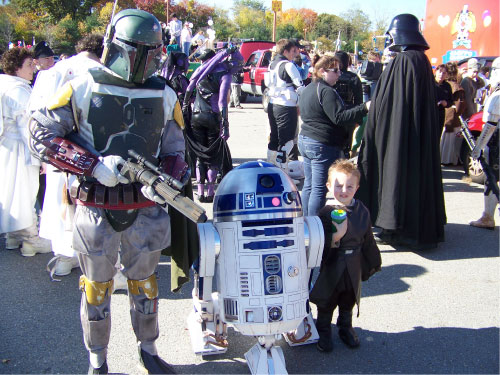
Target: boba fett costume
{"points": [[87, 130]]}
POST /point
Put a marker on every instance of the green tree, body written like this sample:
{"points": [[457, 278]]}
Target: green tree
{"points": [[327, 25], [92, 24], [287, 31], [325, 44], [356, 28], [78, 10], [67, 34], [257, 5], [224, 27], [251, 21], [7, 29]]}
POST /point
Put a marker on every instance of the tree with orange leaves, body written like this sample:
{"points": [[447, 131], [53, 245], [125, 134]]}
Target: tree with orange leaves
{"points": [[302, 20]]}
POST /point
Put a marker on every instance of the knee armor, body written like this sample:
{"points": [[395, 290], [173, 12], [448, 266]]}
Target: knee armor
{"points": [[148, 286], [95, 291]]}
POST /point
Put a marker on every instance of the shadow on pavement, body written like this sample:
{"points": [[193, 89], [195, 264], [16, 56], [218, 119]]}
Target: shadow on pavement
{"points": [[390, 280], [464, 242], [419, 351]]}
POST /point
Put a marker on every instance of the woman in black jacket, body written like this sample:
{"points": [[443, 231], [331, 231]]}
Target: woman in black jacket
{"points": [[324, 131]]}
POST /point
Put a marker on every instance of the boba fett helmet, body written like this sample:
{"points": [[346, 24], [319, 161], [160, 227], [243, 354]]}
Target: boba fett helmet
{"points": [[133, 48]]}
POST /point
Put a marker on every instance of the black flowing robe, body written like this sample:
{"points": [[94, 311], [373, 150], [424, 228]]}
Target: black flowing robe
{"points": [[361, 260], [399, 160]]}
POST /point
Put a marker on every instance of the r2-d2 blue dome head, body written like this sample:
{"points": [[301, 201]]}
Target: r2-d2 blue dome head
{"points": [[256, 190]]}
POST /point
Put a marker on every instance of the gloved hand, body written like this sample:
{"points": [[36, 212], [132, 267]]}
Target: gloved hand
{"points": [[150, 193], [175, 166], [186, 104], [224, 131], [224, 124], [107, 173]]}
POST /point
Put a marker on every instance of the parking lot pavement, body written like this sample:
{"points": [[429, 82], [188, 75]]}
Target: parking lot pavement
{"points": [[426, 312]]}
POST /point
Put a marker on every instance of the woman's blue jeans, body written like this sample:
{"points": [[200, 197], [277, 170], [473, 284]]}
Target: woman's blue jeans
{"points": [[185, 47], [318, 157]]}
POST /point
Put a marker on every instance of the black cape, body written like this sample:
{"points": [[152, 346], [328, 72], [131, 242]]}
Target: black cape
{"points": [[399, 160]]}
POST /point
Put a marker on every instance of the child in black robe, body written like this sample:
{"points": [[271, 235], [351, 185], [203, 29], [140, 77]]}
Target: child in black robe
{"points": [[350, 256]]}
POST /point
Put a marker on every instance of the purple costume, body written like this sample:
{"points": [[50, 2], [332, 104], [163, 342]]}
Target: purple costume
{"points": [[209, 127]]}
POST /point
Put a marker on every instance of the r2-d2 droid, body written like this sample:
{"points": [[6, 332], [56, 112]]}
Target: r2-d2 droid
{"points": [[261, 250]]}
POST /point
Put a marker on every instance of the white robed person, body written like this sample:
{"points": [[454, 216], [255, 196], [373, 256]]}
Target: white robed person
{"points": [[19, 170]]}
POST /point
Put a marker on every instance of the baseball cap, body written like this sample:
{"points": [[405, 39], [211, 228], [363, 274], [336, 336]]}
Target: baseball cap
{"points": [[42, 49]]}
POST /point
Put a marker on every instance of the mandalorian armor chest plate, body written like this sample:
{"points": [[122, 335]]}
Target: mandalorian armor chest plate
{"points": [[119, 124]]}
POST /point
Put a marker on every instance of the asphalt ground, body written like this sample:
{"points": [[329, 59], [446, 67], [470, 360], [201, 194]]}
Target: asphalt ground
{"points": [[431, 312]]}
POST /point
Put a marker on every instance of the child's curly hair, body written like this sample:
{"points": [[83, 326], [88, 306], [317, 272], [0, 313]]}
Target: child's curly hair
{"points": [[344, 166]]}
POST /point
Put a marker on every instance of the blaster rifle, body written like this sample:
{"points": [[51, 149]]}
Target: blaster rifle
{"points": [[150, 175], [490, 177]]}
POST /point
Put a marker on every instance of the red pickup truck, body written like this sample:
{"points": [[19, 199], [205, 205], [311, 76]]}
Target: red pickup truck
{"points": [[253, 79]]}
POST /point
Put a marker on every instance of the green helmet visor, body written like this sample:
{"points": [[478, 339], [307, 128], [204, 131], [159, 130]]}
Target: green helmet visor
{"points": [[132, 61]]}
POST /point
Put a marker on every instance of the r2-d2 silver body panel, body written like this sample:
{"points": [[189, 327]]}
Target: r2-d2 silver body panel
{"points": [[261, 278], [263, 252]]}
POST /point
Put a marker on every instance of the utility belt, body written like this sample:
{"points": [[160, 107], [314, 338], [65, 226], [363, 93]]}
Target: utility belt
{"points": [[348, 250], [119, 197]]}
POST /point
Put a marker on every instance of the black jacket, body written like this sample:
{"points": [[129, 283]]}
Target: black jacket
{"points": [[324, 116], [361, 260]]}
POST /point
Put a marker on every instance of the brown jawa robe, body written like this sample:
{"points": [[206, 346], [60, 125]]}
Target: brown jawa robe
{"points": [[363, 262]]}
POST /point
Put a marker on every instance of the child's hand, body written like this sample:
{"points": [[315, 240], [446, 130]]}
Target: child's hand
{"points": [[341, 230]]}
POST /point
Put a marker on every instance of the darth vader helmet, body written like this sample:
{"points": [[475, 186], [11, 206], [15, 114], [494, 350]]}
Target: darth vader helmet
{"points": [[404, 31]]}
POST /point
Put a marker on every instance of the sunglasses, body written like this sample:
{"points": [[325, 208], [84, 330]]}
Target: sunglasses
{"points": [[335, 70]]}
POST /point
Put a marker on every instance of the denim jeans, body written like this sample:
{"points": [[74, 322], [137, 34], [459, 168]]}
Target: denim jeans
{"points": [[318, 157], [185, 47]]}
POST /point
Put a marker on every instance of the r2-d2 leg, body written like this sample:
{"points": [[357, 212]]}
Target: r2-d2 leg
{"points": [[266, 358], [306, 332], [207, 330]]}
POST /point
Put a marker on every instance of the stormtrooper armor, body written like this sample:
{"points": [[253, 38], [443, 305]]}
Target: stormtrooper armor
{"points": [[261, 250]]}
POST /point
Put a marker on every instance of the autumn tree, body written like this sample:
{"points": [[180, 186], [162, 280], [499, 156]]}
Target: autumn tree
{"points": [[302, 20], [195, 12]]}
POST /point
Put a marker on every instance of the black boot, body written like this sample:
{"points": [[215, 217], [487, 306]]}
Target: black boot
{"points": [[386, 237], [346, 332], [324, 327], [153, 364], [101, 370]]}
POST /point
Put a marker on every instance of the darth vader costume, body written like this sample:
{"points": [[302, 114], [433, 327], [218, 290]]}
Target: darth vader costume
{"points": [[399, 160]]}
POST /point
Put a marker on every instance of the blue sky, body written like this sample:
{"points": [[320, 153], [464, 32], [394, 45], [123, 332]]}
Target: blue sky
{"points": [[374, 8]]}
